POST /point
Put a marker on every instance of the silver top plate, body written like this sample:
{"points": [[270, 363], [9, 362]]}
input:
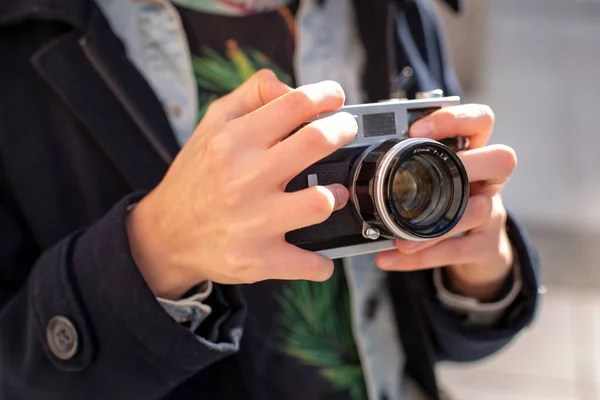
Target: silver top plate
{"points": [[378, 122]]}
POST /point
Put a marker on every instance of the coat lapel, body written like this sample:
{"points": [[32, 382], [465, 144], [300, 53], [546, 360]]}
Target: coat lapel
{"points": [[92, 75]]}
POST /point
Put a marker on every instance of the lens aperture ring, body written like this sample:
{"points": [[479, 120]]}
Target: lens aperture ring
{"points": [[370, 180]]}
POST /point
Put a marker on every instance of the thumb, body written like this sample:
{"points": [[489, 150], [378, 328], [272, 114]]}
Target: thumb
{"points": [[340, 196]]}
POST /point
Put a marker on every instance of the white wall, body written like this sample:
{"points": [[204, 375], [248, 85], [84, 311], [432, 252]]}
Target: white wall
{"points": [[540, 72]]}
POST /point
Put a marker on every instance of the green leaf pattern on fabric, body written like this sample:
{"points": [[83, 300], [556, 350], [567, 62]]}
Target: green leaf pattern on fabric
{"points": [[218, 75], [316, 328]]}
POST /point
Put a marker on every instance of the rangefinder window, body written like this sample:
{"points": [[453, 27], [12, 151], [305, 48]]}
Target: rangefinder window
{"points": [[379, 124]]}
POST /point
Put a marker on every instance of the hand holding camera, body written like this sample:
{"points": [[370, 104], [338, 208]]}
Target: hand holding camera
{"points": [[247, 201], [221, 211], [481, 258]]}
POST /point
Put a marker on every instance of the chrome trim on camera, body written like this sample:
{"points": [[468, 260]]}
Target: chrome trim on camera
{"points": [[358, 249], [379, 196], [354, 176], [313, 180], [369, 232], [399, 108]]}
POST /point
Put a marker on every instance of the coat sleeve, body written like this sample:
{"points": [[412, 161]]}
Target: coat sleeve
{"points": [[457, 340], [124, 345]]}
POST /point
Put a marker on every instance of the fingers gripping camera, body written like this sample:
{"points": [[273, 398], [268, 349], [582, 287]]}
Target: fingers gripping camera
{"points": [[400, 187]]}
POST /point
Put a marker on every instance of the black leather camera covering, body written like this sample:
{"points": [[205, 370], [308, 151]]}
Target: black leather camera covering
{"points": [[342, 227]]}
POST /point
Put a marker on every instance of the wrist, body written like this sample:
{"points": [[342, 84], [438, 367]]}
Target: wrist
{"points": [[152, 254], [488, 290], [484, 282]]}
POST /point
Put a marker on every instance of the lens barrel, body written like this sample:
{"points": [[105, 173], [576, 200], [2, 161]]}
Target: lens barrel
{"points": [[411, 189]]}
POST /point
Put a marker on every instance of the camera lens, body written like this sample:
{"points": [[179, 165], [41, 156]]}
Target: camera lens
{"points": [[422, 190], [412, 189]]}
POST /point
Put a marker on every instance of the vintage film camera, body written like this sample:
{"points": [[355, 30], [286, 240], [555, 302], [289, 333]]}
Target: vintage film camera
{"points": [[400, 188]]}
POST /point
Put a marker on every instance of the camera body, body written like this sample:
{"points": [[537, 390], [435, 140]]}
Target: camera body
{"points": [[400, 187]]}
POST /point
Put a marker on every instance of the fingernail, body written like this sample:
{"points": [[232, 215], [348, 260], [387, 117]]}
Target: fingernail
{"points": [[421, 129], [341, 196], [334, 87], [387, 260]]}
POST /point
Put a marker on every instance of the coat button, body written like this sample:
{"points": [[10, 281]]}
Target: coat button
{"points": [[61, 337]]}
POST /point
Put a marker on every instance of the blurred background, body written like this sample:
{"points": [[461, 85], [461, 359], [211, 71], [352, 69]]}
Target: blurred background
{"points": [[537, 64]]}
